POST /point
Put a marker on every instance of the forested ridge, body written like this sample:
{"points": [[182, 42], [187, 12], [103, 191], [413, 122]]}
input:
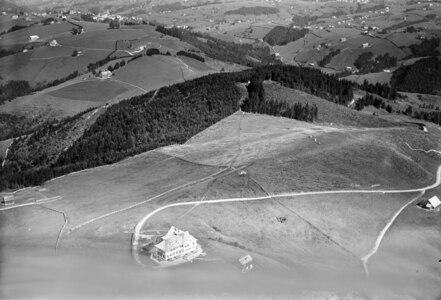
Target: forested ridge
{"points": [[174, 115], [133, 126], [424, 76], [244, 54]]}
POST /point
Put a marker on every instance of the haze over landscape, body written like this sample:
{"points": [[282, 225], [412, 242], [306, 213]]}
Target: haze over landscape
{"points": [[218, 149]]}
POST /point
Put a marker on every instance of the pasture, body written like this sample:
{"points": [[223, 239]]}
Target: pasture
{"points": [[297, 239], [45, 32], [373, 78], [353, 49], [152, 72], [92, 90], [37, 67]]}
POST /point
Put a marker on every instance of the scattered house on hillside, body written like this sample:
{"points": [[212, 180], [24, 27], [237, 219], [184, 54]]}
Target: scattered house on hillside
{"points": [[430, 204], [348, 68], [365, 45], [54, 43], [242, 173], [176, 244], [14, 17], [34, 38], [245, 263], [7, 200], [386, 71], [343, 39], [434, 202], [105, 74], [77, 53]]}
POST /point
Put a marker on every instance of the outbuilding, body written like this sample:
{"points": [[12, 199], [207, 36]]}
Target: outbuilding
{"points": [[34, 38], [434, 202], [7, 200]]}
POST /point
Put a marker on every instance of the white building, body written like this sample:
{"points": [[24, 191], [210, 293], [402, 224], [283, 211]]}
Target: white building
{"points": [[105, 74], [7, 200], [54, 43], [365, 45], [176, 243], [434, 202], [34, 38]]}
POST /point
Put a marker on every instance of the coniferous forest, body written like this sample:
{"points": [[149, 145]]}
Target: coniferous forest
{"points": [[175, 114]]}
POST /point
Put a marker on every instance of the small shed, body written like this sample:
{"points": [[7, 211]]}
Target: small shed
{"points": [[54, 43], [105, 74], [34, 38], [7, 200], [434, 202], [245, 263]]}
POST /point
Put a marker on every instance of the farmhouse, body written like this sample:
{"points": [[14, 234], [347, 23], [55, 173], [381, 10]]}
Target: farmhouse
{"points": [[245, 263], [343, 39], [176, 244], [105, 74], [7, 200], [54, 43], [365, 45], [433, 203], [34, 38]]}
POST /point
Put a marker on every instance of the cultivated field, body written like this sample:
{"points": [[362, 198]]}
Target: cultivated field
{"points": [[92, 90]]}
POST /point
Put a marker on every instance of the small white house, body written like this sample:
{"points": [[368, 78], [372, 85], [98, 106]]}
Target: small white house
{"points": [[14, 17], [7, 200], [54, 43], [245, 263], [365, 45], [34, 38], [105, 74], [343, 39], [434, 202]]}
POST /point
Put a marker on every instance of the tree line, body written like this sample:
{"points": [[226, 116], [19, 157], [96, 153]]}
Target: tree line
{"points": [[243, 54], [281, 35], [256, 102], [424, 76], [133, 126], [191, 55]]}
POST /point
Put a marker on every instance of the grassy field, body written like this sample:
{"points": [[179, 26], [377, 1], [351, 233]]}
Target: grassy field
{"points": [[328, 112], [373, 78], [38, 67], [321, 237], [3, 146], [94, 90], [45, 32], [152, 72]]}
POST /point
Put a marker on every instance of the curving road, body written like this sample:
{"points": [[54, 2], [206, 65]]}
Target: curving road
{"points": [[138, 227]]}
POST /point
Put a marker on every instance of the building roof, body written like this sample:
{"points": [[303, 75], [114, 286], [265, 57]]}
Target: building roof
{"points": [[245, 260], [175, 238], [435, 202]]}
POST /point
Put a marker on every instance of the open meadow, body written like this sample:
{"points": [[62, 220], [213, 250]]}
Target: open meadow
{"points": [[296, 238]]}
